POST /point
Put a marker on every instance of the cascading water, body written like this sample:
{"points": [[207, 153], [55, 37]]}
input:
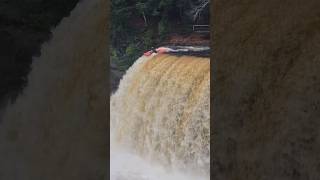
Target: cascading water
{"points": [[160, 118], [56, 129]]}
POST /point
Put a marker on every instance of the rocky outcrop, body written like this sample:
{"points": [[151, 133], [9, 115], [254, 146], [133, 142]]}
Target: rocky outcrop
{"points": [[266, 90], [190, 39]]}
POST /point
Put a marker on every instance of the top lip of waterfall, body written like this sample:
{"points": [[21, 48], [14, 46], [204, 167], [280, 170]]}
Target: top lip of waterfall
{"points": [[198, 51]]}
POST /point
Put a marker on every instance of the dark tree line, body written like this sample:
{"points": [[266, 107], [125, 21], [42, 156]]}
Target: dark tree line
{"points": [[136, 25]]}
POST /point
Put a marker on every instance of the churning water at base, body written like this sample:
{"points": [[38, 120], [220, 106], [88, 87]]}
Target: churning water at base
{"points": [[160, 118], [126, 165]]}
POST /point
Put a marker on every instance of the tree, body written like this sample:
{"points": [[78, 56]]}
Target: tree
{"points": [[160, 17], [141, 7], [198, 9]]}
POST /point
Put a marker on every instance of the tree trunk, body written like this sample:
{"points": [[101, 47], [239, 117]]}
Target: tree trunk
{"points": [[145, 19]]}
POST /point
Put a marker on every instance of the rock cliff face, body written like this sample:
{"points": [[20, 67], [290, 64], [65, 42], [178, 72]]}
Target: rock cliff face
{"points": [[266, 103]]}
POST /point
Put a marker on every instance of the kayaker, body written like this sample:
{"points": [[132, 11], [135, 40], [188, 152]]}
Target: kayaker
{"points": [[163, 50]]}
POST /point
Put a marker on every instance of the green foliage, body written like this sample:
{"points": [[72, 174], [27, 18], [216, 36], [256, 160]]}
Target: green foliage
{"points": [[148, 39], [131, 50], [139, 24], [163, 27], [141, 7], [114, 56], [166, 4]]}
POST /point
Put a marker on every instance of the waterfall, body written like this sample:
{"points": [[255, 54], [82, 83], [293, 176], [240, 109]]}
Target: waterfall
{"points": [[161, 114]]}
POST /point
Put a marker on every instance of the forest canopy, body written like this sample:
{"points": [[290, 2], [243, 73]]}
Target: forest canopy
{"points": [[137, 25]]}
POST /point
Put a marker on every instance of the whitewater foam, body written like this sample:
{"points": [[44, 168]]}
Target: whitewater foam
{"points": [[161, 115]]}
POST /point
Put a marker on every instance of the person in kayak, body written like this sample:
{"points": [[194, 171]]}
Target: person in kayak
{"points": [[152, 51], [163, 50]]}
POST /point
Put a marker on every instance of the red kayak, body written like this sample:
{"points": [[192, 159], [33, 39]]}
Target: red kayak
{"points": [[148, 53]]}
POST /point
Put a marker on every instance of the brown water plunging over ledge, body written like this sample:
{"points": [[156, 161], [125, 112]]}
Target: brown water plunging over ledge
{"points": [[161, 111]]}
